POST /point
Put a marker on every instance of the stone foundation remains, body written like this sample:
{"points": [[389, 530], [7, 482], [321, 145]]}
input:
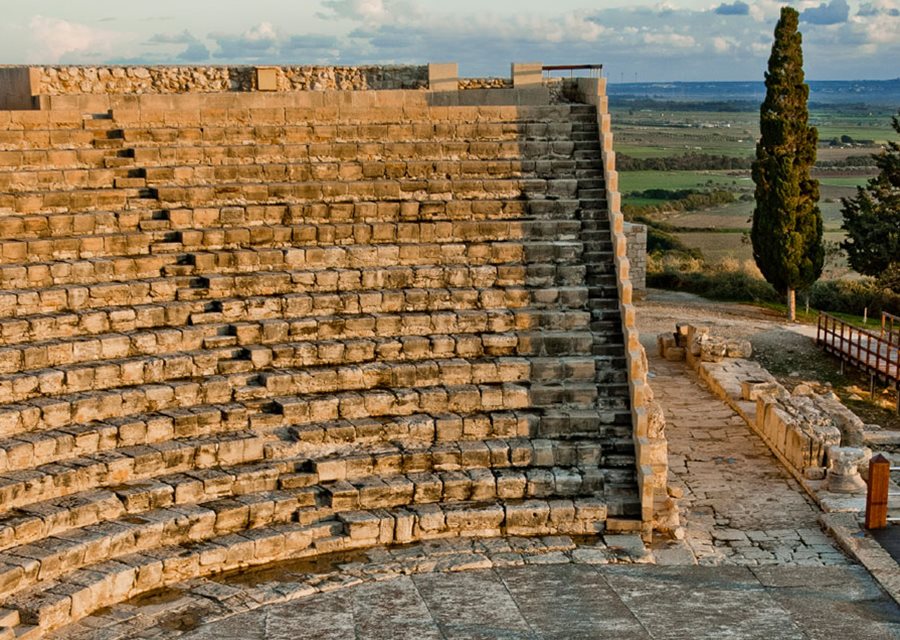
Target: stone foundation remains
{"points": [[814, 435], [245, 326]]}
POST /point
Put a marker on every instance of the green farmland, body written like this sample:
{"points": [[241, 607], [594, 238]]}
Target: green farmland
{"points": [[721, 229]]}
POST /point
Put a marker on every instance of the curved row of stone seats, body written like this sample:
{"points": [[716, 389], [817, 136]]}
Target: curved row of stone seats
{"points": [[61, 602], [232, 337], [267, 170], [143, 517]]}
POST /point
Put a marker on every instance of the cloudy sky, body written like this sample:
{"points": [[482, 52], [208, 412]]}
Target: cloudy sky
{"points": [[645, 41]]}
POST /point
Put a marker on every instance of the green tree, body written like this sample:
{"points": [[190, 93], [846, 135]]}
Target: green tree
{"points": [[872, 219], [787, 225]]}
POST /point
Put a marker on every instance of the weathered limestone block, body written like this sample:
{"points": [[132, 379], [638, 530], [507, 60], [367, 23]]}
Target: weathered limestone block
{"points": [[527, 518], [848, 423], [739, 349], [713, 349], [752, 389]]}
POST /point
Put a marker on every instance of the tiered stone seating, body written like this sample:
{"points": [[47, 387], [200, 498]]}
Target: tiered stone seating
{"points": [[234, 335]]}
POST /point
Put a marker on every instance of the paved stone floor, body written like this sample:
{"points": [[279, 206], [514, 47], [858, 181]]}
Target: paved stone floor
{"points": [[740, 506], [578, 601]]}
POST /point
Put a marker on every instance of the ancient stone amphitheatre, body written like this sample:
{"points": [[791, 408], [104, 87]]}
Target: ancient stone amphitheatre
{"points": [[270, 333]]}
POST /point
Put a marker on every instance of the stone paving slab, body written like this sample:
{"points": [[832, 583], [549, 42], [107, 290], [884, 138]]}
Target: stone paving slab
{"points": [[576, 601], [740, 506]]}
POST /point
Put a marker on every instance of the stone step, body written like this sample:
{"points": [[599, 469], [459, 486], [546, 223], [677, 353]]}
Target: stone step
{"points": [[24, 451], [307, 367], [403, 464], [278, 169], [139, 286], [595, 231], [456, 452], [592, 422], [350, 159], [42, 250], [102, 585], [610, 349], [422, 131], [133, 463], [547, 308], [49, 178], [364, 190], [36, 202]]}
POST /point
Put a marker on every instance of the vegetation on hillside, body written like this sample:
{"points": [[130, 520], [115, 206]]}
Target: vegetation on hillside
{"points": [[872, 220], [686, 162]]}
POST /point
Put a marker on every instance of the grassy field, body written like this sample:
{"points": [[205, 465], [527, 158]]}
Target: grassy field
{"points": [[843, 181], [717, 245], [737, 215]]}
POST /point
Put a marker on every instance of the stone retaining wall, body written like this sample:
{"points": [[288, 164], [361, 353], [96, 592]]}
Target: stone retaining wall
{"points": [[62, 80], [651, 451]]}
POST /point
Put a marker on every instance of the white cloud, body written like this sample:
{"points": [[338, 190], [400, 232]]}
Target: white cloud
{"points": [[675, 40], [369, 11], [722, 45], [256, 43], [834, 12], [710, 39], [54, 40]]}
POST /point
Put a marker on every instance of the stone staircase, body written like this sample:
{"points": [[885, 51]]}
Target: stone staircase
{"points": [[251, 334]]}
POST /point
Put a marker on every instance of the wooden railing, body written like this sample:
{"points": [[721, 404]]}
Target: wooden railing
{"points": [[873, 353], [890, 327], [877, 355]]}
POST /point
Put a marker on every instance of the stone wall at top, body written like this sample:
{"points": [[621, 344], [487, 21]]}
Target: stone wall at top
{"points": [[112, 79]]}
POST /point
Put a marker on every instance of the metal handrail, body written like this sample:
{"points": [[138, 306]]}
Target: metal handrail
{"points": [[550, 68]]}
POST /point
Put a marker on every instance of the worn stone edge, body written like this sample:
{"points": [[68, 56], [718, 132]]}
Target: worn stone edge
{"points": [[431, 557], [845, 529]]}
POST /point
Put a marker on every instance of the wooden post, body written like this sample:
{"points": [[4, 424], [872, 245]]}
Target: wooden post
{"points": [[877, 493]]}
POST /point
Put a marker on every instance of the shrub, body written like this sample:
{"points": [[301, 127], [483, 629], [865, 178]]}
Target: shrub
{"points": [[853, 296], [725, 280]]}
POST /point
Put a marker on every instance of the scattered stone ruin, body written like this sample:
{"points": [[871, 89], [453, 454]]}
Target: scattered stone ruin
{"points": [[821, 442], [267, 313]]}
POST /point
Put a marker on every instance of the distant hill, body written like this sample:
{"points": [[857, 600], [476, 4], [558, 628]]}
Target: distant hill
{"points": [[870, 92]]}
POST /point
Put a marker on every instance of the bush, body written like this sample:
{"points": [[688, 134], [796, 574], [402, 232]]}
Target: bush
{"points": [[732, 280], [676, 200], [853, 296], [725, 280]]}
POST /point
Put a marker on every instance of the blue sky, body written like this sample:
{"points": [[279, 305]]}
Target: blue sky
{"points": [[646, 41]]}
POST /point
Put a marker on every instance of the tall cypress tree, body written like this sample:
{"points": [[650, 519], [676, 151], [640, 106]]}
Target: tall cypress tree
{"points": [[787, 224]]}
